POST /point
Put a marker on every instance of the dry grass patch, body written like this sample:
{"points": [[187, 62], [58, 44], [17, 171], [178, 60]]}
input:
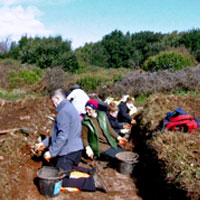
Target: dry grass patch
{"points": [[179, 151]]}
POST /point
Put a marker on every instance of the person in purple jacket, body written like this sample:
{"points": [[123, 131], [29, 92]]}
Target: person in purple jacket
{"points": [[65, 144]]}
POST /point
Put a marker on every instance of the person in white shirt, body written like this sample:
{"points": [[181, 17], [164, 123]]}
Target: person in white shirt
{"points": [[78, 98]]}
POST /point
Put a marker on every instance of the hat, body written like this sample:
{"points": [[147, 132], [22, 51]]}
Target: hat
{"points": [[75, 86], [92, 103]]}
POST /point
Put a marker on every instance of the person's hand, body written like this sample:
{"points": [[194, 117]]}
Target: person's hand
{"points": [[124, 131], [89, 152], [133, 122], [39, 147], [47, 156], [127, 126], [122, 141]]}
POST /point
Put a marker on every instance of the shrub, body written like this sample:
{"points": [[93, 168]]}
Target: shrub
{"points": [[22, 78], [28, 77], [94, 77], [139, 83], [191, 40], [54, 78], [38, 71], [45, 52], [4, 74], [167, 60], [91, 82]]}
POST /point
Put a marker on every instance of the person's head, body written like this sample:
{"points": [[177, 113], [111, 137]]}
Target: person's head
{"points": [[129, 102], [75, 86], [57, 96], [91, 106], [113, 109]]}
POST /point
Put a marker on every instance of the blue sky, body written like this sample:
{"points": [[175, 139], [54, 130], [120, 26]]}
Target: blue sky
{"points": [[84, 21]]}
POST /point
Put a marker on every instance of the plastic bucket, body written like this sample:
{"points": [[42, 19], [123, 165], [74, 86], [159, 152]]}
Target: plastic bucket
{"points": [[50, 180], [127, 162]]}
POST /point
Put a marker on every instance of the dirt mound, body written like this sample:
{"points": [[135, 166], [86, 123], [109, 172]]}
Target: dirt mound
{"points": [[177, 152]]}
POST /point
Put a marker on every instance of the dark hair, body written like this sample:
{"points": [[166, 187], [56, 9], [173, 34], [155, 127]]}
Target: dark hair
{"points": [[58, 92]]}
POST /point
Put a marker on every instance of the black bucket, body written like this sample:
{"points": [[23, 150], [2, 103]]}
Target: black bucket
{"points": [[50, 180], [127, 162]]}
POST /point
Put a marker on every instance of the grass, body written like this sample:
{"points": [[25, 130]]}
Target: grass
{"points": [[141, 99], [10, 96], [91, 77], [189, 93], [179, 151]]}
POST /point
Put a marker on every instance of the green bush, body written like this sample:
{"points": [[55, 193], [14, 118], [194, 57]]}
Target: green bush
{"points": [[117, 77], [28, 77], [38, 71], [167, 60], [91, 82], [23, 77], [45, 52]]}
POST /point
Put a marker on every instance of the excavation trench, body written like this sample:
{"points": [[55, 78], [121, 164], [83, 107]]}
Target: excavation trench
{"points": [[18, 166]]}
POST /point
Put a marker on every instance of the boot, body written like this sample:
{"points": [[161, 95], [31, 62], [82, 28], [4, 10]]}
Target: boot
{"points": [[98, 169], [99, 183], [93, 171]]}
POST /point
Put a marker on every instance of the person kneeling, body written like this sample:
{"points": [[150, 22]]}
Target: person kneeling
{"points": [[99, 139]]}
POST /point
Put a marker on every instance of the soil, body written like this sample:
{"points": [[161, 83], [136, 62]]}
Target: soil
{"points": [[18, 165]]}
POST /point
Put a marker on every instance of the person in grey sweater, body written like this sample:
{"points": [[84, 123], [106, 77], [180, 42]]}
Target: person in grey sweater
{"points": [[65, 144], [66, 132]]}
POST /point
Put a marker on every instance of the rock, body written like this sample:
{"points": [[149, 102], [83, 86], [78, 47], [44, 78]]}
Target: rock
{"points": [[1, 158]]}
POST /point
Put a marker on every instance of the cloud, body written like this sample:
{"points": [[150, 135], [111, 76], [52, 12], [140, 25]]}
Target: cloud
{"points": [[33, 2], [16, 21], [13, 2]]}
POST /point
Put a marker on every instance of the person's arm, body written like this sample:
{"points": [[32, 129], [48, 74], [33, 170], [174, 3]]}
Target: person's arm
{"points": [[46, 141], [88, 149], [63, 124], [122, 141], [112, 132], [85, 135], [114, 123]]}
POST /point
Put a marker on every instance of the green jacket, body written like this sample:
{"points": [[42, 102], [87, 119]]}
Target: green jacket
{"points": [[93, 134]]}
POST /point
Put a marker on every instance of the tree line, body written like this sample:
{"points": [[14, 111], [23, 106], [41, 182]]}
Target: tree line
{"points": [[115, 50]]}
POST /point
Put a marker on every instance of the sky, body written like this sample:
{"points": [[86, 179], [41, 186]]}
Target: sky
{"points": [[85, 21]]}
